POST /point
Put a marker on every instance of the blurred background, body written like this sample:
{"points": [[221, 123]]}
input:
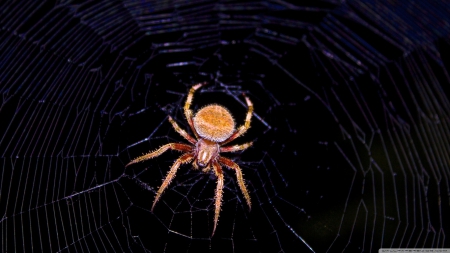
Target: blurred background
{"points": [[351, 124]]}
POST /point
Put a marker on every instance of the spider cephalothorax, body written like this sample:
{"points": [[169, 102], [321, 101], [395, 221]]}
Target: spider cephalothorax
{"points": [[213, 127]]}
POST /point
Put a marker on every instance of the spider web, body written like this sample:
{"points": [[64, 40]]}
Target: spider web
{"points": [[351, 125]]}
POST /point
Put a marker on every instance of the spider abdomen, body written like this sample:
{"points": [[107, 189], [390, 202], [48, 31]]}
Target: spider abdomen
{"points": [[214, 123]]}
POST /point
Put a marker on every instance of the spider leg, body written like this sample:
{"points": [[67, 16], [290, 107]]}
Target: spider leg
{"points": [[232, 165], [219, 193], [207, 168], [185, 158], [195, 165], [243, 128], [181, 131], [235, 148], [187, 105], [162, 149]]}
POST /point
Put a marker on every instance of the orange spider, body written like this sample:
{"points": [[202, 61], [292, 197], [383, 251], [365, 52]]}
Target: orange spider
{"points": [[213, 127]]}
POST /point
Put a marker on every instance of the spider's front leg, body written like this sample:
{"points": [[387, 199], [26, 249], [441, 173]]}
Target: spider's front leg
{"points": [[162, 149], [185, 158], [219, 192], [232, 165]]}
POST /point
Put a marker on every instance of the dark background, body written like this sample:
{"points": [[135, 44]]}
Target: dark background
{"points": [[351, 125]]}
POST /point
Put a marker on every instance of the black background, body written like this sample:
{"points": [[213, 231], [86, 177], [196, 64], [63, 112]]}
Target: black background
{"points": [[350, 129]]}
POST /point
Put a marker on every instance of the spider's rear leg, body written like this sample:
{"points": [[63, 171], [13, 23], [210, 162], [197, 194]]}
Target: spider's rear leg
{"points": [[235, 148], [181, 131], [187, 105], [243, 128]]}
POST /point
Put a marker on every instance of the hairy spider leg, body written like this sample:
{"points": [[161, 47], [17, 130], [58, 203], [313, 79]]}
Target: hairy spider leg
{"points": [[181, 131], [219, 193], [187, 105], [194, 165], [207, 168], [235, 148], [162, 149], [243, 128], [185, 158], [232, 165]]}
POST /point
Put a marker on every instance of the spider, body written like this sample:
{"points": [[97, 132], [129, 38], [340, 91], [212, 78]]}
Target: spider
{"points": [[213, 127]]}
